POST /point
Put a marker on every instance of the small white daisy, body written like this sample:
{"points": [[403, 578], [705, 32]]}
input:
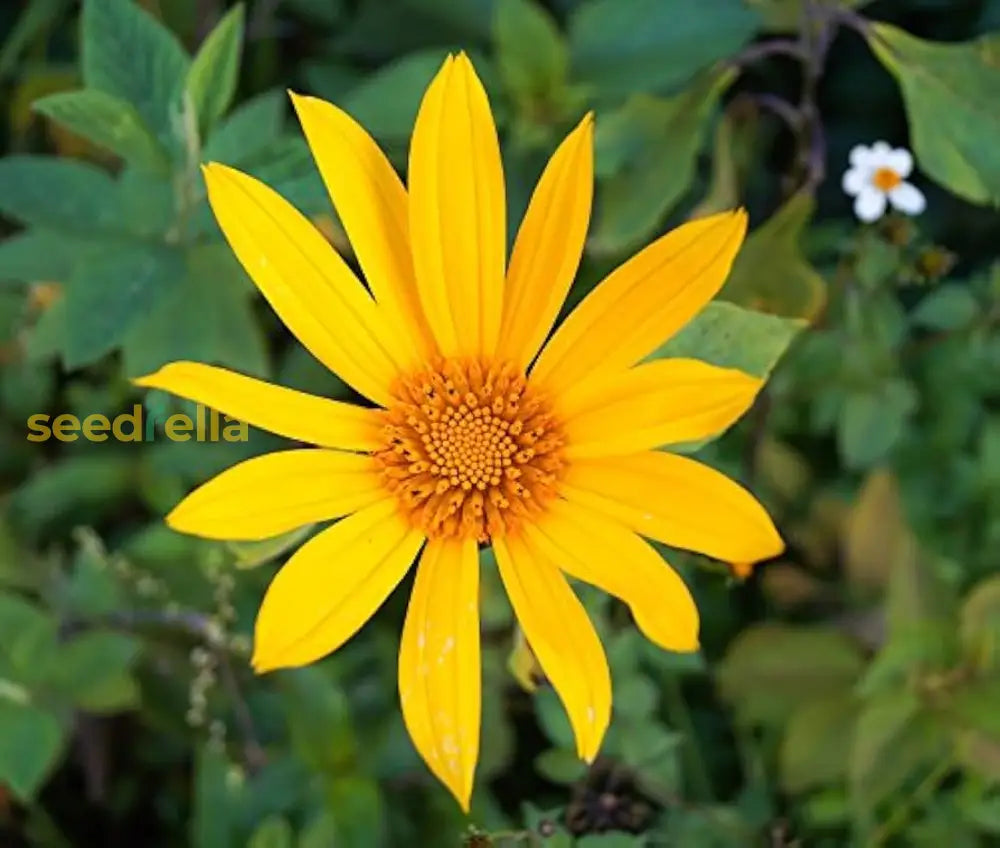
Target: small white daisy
{"points": [[877, 175]]}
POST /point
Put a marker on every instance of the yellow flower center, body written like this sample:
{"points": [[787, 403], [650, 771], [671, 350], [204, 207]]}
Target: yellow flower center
{"points": [[470, 449], [886, 179]]}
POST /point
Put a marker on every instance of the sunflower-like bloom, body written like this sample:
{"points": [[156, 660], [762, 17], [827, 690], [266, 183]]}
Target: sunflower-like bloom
{"points": [[475, 437]]}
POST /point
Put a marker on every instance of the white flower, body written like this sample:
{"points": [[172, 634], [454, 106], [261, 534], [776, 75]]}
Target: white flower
{"points": [[877, 174]]}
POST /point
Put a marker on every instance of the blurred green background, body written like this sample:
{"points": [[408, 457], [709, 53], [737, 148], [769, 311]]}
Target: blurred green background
{"points": [[848, 694]]}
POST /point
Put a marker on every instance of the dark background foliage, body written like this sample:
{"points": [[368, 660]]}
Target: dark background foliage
{"points": [[846, 694]]}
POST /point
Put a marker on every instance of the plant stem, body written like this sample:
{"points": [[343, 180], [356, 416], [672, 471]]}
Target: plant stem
{"points": [[902, 811], [680, 717]]}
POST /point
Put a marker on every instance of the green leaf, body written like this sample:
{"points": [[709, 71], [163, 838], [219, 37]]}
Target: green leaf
{"points": [[33, 21], [57, 193], [38, 255], [273, 832], [892, 739], [730, 336], [252, 127], [386, 102], [647, 150], [28, 640], [214, 801], [107, 295], [959, 81], [770, 669], [212, 77], [208, 317], [980, 624], [130, 55], [360, 811], [871, 422], [253, 554], [319, 719], [816, 742], [31, 741], [770, 273], [623, 46], [560, 765], [875, 533], [108, 122], [531, 55], [93, 671], [949, 307]]}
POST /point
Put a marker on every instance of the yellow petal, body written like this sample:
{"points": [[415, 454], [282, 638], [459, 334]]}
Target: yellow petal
{"points": [[272, 494], [457, 212], [289, 413], [371, 202], [602, 552], [548, 246], [562, 638], [440, 681], [333, 585], [643, 302], [286, 412], [677, 501], [665, 402], [306, 282]]}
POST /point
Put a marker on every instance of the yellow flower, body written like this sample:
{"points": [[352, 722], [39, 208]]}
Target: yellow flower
{"points": [[478, 438]]}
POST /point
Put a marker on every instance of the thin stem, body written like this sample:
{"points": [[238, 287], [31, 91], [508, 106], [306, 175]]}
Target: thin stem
{"points": [[766, 49], [903, 811], [680, 717]]}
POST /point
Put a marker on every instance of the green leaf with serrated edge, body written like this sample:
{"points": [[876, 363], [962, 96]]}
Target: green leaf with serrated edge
{"points": [[129, 54], [771, 669], [730, 336], [532, 56], [250, 129], [959, 81], [31, 740], [56, 193], [770, 273], [649, 146], [623, 46], [212, 77], [108, 122], [107, 295]]}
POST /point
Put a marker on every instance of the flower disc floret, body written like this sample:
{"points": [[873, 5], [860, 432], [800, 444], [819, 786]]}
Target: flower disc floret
{"points": [[470, 449]]}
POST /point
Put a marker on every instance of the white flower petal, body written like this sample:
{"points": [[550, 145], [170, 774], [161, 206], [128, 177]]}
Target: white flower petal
{"points": [[900, 161], [854, 180], [908, 198], [870, 204], [881, 151], [860, 156]]}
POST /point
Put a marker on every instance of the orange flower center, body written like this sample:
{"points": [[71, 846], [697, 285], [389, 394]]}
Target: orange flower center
{"points": [[886, 179], [470, 449]]}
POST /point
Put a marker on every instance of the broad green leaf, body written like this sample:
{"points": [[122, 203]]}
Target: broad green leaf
{"points": [[249, 129], [386, 102], [893, 738], [361, 811], [647, 149], [875, 533], [871, 422], [28, 640], [130, 55], [532, 56], [93, 670], [624, 46], [816, 742], [949, 307], [31, 740], [560, 765], [107, 121], [770, 273], [730, 336], [214, 73], [56, 193], [41, 255], [107, 295], [770, 669], [950, 92], [273, 832], [319, 719], [921, 605]]}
